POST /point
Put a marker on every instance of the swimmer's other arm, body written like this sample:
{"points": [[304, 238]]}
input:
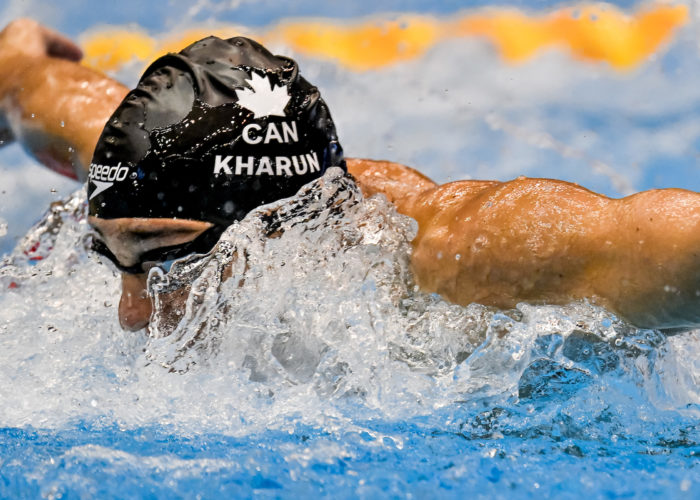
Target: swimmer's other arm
{"points": [[51, 104], [548, 241]]}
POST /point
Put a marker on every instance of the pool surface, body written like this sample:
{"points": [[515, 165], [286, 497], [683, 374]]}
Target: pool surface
{"points": [[326, 372]]}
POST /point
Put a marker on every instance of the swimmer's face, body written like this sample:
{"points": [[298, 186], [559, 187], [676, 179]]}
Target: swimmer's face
{"points": [[131, 241]]}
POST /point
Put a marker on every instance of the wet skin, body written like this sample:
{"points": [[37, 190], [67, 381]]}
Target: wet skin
{"points": [[55, 107]]}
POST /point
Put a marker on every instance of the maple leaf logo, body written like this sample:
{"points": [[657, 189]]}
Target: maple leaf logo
{"points": [[264, 99]]}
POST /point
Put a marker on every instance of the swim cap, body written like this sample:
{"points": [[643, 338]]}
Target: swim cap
{"points": [[211, 133]]}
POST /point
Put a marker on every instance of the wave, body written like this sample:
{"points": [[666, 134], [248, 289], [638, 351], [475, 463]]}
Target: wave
{"points": [[320, 324]]}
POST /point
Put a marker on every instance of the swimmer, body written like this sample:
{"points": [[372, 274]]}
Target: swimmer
{"points": [[224, 126]]}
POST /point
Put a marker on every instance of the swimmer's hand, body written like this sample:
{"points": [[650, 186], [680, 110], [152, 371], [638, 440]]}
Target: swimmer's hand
{"points": [[28, 38], [49, 102]]}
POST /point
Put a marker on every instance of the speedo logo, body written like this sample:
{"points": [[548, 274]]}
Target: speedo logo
{"points": [[104, 176]]}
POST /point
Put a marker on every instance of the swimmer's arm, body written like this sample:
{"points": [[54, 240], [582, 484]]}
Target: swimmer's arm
{"points": [[54, 106], [545, 241]]}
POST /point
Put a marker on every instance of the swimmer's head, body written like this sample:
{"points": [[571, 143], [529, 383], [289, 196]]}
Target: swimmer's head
{"points": [[211, 133], [208, 135]]}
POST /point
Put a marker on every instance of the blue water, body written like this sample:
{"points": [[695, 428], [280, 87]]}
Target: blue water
{"points": [[329, 375], [345, 383], [83, 461]]}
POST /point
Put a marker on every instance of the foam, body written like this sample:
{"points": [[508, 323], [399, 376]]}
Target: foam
{"points": [[320, 326]]}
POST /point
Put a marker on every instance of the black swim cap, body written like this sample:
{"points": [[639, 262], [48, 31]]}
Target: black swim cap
{"points": [[210, 134]]}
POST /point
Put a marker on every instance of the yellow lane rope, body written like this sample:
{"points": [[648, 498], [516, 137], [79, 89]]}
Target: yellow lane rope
{"points": [[597, 32]]}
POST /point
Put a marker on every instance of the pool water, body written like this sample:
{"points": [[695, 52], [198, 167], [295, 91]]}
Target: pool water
{"points": [[326, 371], [319, 368]]}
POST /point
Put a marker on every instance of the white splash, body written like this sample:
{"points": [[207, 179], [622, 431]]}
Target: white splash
{"points": [[321, 314]]}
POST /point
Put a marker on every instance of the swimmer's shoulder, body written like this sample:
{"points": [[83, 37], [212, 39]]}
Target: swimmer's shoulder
{"points": [[394, 180]]}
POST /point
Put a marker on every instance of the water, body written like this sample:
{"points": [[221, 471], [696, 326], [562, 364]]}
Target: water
{"points": [[317, 368]]}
